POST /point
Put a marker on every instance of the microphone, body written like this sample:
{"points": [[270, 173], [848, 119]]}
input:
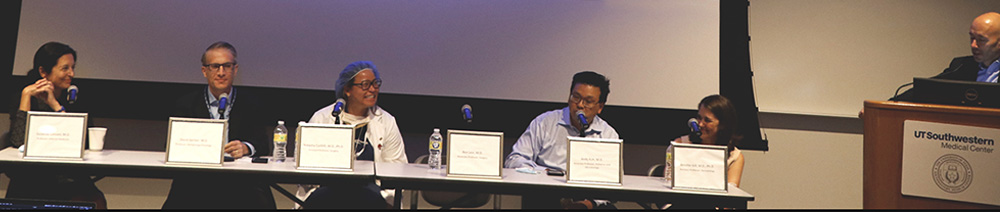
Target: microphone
{"points": [[896, 96], [223, 100], [338, 107], [695, 135], [583, 120], [72, 90], [943, 75], [467, 112]]}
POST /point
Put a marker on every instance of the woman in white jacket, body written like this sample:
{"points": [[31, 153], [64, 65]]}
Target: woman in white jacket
{"points": [[358, 85]]}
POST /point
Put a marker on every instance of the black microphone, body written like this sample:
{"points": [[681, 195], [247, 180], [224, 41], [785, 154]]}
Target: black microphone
{"points": [[942, 75], [945, 74], [896, 95], [337, 109], [583, 121], [695, 135], [72, 90], [223, 100], [467, 112]]}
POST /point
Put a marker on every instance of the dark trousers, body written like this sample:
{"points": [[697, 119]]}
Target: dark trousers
{"points": [[554, 201], [346, 196], [218, 193]]}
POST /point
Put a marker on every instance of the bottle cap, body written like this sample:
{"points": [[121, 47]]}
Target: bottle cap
{"points": [[281, 122], [437, 130]]}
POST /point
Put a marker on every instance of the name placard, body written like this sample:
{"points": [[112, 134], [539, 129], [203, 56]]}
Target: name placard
{"points": [[951, 162], [594, 161], [699, 167], [475, 153], [325, 147], [50, 135], [193, 141]]}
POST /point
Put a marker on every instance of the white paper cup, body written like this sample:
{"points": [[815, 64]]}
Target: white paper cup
{"points": [[96, 135]]}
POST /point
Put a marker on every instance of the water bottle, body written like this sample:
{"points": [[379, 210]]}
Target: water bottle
{"points": [[280, 140], [434, 147], [668, 169]]}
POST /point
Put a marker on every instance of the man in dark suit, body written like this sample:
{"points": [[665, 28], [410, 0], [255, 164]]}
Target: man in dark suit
{"points": [[247, 135], [982, 66]]}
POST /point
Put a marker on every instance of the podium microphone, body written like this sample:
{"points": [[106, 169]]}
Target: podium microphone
{"points": [[467, 113], [695, 135], [223, 102], [337, 109], [72, 90]]}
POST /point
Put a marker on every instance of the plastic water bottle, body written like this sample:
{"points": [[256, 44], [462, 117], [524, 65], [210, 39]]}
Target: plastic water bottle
{"points": [[280, 140], [668, 169], [434, 147]]}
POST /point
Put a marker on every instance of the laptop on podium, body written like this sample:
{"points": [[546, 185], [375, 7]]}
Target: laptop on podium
{"points": [[956, 92]]}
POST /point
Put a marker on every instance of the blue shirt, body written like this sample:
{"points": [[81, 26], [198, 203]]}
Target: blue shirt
{"points": [[543, 144], [213, 110], [213, 104], [988, 74]]}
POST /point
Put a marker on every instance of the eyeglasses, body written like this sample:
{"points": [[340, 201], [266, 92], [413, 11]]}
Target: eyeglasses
{"points": [[587, 102], [217, 66], [368, 84]]}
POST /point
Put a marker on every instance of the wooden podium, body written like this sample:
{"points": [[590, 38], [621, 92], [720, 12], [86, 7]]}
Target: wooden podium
{"points": [[883, 150]]}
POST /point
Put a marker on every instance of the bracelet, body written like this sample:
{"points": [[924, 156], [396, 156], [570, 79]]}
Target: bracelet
{"points": [[61, 109]]}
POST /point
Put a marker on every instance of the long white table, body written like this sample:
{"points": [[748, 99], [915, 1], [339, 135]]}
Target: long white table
{"points": [[392, 175], [633, 188], [150, 164]]}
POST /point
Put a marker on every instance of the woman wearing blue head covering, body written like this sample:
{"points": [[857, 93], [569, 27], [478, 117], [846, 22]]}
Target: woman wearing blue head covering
{"points": [[358, 86]]}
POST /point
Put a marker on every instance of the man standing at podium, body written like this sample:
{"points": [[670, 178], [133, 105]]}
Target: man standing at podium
{"points": [[543, 144], [982, 66], [247, 134], [985, 38]]}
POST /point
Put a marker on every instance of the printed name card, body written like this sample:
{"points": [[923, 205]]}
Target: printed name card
{"points": [[699, 167], [594, 161], [52, 135], [192, 141], [474, 153], [325, 147]]}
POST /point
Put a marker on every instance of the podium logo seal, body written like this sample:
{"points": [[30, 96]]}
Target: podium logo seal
{"points": [[952, 173]]}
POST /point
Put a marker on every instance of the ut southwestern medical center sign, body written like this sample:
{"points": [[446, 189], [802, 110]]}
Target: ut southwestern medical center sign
{"points": [[952, 162]]}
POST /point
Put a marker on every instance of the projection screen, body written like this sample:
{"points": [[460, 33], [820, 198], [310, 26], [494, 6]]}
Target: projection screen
{"points": [[662, 54]]}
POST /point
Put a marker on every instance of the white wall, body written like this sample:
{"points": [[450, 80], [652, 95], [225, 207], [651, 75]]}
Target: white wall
{"points": [[806, 170], [824, 57]]}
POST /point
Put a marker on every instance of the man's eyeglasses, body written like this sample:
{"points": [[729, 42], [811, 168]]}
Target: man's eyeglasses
{"points": [[587, 102], [368, 84], [217, 66]]}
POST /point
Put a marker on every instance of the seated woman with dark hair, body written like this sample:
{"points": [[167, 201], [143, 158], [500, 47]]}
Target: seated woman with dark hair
{"points": [[717, 121], [52, 73]]}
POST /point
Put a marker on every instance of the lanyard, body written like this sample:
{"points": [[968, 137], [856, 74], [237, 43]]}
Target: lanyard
{"points": [[231, 100]]}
